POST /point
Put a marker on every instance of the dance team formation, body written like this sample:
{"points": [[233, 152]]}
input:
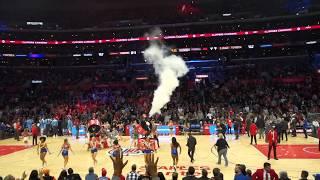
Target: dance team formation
{"points": [[105, 136]]}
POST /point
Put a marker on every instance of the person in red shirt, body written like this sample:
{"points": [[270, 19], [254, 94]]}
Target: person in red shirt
{"points": [[229, 122], [272, 139], [17, 129], [35, 133], [266, 173], [253, 132]]}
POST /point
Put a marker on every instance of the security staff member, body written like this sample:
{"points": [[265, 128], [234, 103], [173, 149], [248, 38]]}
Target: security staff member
{"points": [[273, 140], [191, 143]]}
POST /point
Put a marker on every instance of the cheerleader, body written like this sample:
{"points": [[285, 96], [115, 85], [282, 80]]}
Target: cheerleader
{"points": [[116, 148], [113, 135], [174, 151], [25, 135], [147, 148], [94, 150], [120, 130], [43, 149], [135, 136], [155, 134], [65, 151]]}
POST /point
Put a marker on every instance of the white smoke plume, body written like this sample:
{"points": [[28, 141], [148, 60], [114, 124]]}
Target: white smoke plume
{"points": [[168, 68]]}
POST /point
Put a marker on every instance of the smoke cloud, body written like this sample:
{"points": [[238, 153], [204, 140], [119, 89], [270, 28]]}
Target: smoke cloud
{"points": [[168, 68]]}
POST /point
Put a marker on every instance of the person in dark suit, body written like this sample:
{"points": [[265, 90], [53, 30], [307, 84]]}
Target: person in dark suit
{"points": [[261, 126], [191, 144], [266, 173], [190, 174], [272, 139], [236, 127], [279, 130], [204, 175]]}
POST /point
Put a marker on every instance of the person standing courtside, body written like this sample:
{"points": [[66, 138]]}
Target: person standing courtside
{"points": [[272, 139], [35, 134], [236, 127], [222, 148], [284, 129], [191, 143], [253, 132], [261, 126]]}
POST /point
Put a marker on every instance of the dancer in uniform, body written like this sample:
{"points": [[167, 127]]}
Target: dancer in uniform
{"points": [[94, 150], [113, 135], [135, 136], [116, 148], [43, 150], [155, 134], [147, 148], [174, 151], [120, 130], [65, 151]]}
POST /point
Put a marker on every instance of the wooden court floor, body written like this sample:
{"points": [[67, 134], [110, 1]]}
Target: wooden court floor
{"points": [[241, 152]]}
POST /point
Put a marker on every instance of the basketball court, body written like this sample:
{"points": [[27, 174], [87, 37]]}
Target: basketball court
{"points": [[295, 155]]}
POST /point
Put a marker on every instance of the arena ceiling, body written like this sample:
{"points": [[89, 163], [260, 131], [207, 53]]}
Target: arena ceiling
{"points": [[93, 12]]}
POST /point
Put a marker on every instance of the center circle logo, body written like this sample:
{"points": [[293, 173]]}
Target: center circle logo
{"points": [[129, 152]]}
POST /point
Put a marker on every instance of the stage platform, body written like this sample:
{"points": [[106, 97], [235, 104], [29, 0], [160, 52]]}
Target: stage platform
{"points": [[15, 158]]}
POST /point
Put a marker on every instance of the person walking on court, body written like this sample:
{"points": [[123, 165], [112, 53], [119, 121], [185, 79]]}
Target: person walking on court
{"points": [[253, 132], [272, 139], [191, 144], [222, 148], [305, 127]]}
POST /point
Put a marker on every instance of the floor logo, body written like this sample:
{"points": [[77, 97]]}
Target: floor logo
{"points": [[129, 152]]}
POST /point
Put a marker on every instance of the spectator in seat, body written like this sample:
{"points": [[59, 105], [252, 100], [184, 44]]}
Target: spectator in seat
{"points": [[91, 175], [63, 175], [133, 175], [47, 176], [265, 173], [240, 173], [283, 175], [9, 177], [34, 175], [161, 176], [175, 176], [217, 175], [204, 175], [190, 174], [103, 174], [304, 175], [249, 173], [72, 176]]}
